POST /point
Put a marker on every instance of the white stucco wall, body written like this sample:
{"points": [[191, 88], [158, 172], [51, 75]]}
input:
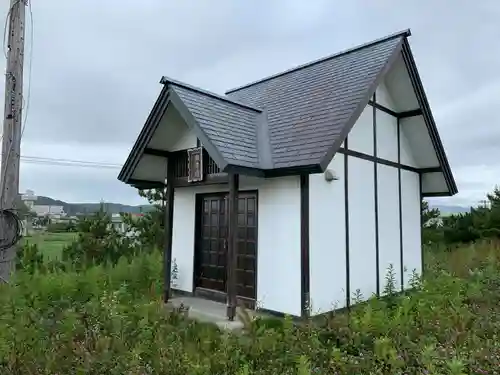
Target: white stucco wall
{"points": [[361, 135], [412, 240], [327, 255], [388, 223], [388, 195], [278, 259], [362, 252]]}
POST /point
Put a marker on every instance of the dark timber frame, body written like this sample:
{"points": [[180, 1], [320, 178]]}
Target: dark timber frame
{"points": [[347, 242], [401, 246], [400, 167], [232, 245], [232, 181], [169, 96], [215, 176], [304, 246], [169, 222], [217, 168], [375, 190]]}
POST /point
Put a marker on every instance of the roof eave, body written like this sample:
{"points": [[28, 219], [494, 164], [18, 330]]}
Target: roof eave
{"points": [[437, 194], [167, 96], [273, 172], [145, 135], [428, 118]]}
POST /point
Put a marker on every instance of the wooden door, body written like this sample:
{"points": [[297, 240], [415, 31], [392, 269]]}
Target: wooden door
{"points": [[246, 271], [212, 245], [211, 257]]}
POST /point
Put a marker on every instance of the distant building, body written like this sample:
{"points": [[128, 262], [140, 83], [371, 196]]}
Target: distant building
{"points": [[29, 198], [54, 212], [119, 225], [117, 222]]}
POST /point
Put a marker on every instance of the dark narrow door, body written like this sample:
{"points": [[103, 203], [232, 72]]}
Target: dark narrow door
{"points": [[246, 273], [212, 244], [211, 261]]}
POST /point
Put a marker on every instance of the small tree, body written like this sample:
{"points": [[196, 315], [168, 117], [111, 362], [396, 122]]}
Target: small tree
{"points": [[431, 224], [147, 230], [460, 228], [29, 258], [97, 242]]}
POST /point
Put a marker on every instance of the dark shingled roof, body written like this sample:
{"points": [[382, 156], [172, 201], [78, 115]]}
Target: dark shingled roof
{"points": [[295, 120], [230, 127], [308, 108]]}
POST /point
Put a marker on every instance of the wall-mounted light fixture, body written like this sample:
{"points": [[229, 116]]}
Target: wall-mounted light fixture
{"points": [[330, 175]]}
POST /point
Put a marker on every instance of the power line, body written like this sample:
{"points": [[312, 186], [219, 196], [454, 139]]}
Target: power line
{"points": [[57, 160], [69, 163]]}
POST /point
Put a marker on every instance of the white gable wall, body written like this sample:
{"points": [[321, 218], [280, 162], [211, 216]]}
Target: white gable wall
{"points": [[390, 252], [361, 135], [278, 236], [414, 134], [424, 155], [434, 182], [172, 134]]}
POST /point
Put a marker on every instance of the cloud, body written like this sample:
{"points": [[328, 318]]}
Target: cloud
{"points": [[96, 68]]}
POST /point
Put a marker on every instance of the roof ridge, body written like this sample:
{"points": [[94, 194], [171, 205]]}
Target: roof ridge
{"points": [[404, 33], [264, 147], [166, 80]]}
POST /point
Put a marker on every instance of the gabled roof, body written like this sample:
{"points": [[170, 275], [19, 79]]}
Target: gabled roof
{"points": [[231, 127], [226, 128], [293, 121]]}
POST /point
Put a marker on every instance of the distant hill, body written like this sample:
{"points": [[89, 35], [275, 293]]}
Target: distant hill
{"points": [[74, 208], [112, 208], [449, 210]]}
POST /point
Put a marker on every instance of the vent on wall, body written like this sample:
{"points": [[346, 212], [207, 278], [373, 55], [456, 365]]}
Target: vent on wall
{"points": [[195, 164]]}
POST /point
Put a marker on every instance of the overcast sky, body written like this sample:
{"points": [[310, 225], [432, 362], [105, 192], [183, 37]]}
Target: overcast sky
{"points": [[96, 67]]}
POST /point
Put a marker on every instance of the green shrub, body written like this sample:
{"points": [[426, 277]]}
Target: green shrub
{"points": [[63, 227], [97, 242], [29, 258], [110, 320]]}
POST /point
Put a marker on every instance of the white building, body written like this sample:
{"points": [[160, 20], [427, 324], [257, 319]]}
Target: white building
{"points": [[48, 210], [29, 198], [296, 191]]}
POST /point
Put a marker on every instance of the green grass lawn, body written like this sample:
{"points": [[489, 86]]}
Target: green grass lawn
{"points": [[50, 244]]}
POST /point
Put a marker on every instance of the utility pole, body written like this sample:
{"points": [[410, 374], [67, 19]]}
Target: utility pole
{"points": [[12, 127]]}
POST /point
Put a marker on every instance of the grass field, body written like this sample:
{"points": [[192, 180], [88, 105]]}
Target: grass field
{"points": [[51, 244]]}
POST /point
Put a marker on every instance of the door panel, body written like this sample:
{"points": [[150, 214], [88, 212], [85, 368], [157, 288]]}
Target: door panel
{"points": [[212, 252], [246, 268]]}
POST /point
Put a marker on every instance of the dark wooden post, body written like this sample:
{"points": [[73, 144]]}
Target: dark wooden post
{"points": [[232, 245], [169, 221]]}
